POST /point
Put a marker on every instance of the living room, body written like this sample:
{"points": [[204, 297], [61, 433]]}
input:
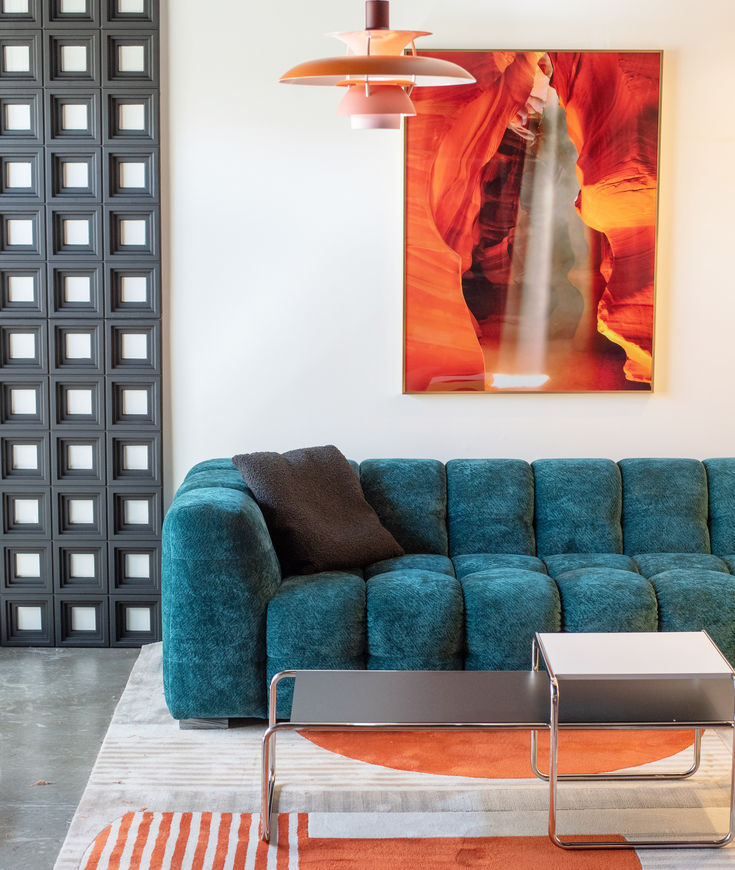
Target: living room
{"points": [[281, 322]]}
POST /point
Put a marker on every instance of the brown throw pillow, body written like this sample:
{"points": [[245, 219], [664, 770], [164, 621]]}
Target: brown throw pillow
{"points": [[315, 510]]}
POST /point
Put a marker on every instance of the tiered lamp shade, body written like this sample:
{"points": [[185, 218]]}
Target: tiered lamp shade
{"points": [[377, 74]]}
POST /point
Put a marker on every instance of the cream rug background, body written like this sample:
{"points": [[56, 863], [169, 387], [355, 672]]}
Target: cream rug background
{"points": [[146, 762]]}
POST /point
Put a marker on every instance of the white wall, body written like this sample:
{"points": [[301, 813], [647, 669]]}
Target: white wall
{"points": [[283, 241]]}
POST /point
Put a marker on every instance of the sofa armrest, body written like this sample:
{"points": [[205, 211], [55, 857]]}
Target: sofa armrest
{"points": [[219, 573]]}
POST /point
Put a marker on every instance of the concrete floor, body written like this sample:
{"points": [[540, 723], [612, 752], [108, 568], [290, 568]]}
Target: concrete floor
{"points": [[55, 706]]}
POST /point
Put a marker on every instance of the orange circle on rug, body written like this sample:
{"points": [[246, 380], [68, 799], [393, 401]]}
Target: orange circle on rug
{"points": [[502, 754]]}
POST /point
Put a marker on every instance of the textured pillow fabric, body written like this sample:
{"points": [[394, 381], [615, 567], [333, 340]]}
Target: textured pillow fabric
{"points": [[315, 510]]}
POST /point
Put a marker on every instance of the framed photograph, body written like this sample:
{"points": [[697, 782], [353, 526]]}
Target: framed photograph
{"points": [[530, 224]]}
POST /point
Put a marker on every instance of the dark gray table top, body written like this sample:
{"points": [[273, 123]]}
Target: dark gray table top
{"points": [[505, 699]]}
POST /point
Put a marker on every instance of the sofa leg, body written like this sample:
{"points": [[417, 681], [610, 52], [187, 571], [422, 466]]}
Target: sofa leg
{"points": [[203, 724]]}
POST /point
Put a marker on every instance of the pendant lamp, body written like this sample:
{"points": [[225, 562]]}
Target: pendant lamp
{"points": [[377, 75]]}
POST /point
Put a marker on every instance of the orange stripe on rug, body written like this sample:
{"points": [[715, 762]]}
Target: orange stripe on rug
{"points": [[203, 841], [142, 838], [159, 849], [181, 842], [502, 754], [223, 842], [114, 860], [98, 848]]}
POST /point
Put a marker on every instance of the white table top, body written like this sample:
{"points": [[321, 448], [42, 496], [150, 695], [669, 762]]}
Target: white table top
{"points": [[631, 655]]}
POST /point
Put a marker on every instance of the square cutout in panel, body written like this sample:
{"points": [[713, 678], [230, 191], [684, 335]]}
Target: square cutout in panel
{"points": [[134, 458], [79, 458], [131, 57], [17, 117], [27, 568], [23, 346], [29, 617], [133, 345], [16, 58], [80, 513], [21, 174], [135, 512], [20, 57], [133, 291], [25, 457], [81, 621], [77, 346], [21, 232], [75, 231], [26, 512], [73, 13], [74, 57], [131, 116], [18, 176], [19, 13], [131, 11], [132, 175], [74, 174], [23, 401], [74, 116], [83, 617], [21, 288], [132, 231], [78, 402], [20, 117], [133, 402], [135, 567], [134, 620], [75, 290], [81, 566], [21, 292], [28, 621]]}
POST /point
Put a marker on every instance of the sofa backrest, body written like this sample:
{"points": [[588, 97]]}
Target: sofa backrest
{"points": [[651, 505]]}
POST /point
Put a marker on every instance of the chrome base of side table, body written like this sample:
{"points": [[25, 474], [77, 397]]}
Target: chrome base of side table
{"points": [[553, 778], [268, 770]]}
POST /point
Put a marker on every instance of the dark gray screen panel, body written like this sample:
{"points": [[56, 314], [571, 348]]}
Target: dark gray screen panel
{"points": [[80, 323]]}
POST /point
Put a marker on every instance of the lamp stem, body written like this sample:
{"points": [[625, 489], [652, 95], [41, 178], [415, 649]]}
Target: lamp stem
{"points": [[377, 15]]}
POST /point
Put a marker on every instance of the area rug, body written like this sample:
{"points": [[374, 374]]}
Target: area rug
{"points": [[161, 798]]}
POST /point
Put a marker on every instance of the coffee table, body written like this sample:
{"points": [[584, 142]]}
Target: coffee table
{"points": [[596, 681]]}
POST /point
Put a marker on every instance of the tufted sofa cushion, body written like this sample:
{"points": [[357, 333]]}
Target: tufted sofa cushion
{"points": [[410, 497], [665, 507], [490, 506], [415, 621], [578, 506], [721, 483], [607, 599], [503, 609]]}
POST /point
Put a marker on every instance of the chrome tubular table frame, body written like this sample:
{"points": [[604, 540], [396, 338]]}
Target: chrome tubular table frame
{"points": [[554, 777], [530, 713], [521, 700]]}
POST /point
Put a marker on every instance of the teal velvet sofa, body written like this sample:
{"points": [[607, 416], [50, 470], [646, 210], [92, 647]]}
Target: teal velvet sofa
{"points": [[496, 549]]}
